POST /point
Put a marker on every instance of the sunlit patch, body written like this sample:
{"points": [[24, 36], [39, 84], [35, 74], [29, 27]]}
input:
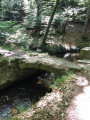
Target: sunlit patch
{"points": [[81, 65], [66, 55], [87, 90], [81, 81], [5, 52], [67, 46], [80, 106]]}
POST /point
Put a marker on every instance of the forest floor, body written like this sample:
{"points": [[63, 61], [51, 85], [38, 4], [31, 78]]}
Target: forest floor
{"points": [[73, 36], [68, 101], [71, 99]]}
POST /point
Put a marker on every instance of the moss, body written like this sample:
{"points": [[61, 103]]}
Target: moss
{"points": [[85, 53], [3, 62], [11, 73]]}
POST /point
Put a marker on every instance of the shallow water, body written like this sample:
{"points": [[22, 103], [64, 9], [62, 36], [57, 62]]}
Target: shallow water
{"points": [[69, 56], [20, 96]]}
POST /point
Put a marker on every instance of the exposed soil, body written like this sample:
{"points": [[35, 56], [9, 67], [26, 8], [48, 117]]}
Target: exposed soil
{"points": [[73, 36], [79, 108]]}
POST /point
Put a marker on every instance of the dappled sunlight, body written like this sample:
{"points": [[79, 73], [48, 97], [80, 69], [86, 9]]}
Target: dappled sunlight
{"points": [[5, 53], [81, 81], [18, 37], [67, 46], [16, 53], [81, 65]]}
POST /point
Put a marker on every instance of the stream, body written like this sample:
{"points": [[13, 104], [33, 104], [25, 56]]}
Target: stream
{"points": [[21, 96], [69, 56]]}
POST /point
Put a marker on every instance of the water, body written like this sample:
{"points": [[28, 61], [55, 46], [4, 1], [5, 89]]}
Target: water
{"points": [[69, 56], [20, 96]]}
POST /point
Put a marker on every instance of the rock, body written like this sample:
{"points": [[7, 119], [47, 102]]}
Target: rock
{"points": [[84, 61], [85, 53], [11, 73], [1, 55], [38, 50], [16, 67]]}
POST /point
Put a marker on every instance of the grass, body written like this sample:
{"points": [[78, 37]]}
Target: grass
{"points": [[7, 47], [63, 79], [11, 119]]}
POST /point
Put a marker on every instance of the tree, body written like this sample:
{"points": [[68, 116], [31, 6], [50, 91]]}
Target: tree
{"points": [[0, 4], [0, 7], [43, 45], [86, 20], [39, 7], [39, 12]]}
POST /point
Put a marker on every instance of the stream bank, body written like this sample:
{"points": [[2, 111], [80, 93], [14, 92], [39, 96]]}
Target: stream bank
{"points": [[53, 105], [22, 95], [20, 65], [59, 103]]}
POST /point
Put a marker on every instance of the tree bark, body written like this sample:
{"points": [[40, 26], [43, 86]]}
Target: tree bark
{"points": [[39, 12], [0, 5], [0, 8], [48, 26], [86, 21], [39, 7]]}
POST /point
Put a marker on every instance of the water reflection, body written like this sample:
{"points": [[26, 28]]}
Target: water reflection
{"points": [[20, 96], [69, 56]]}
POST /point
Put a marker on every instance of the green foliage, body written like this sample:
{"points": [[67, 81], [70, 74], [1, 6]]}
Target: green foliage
{"points": [[4, 24], [63, 79], [12, 34], [55, 49], [4, 28], [11, 119], [12, 10], [60, 80], [20, 108], [7, 47]]}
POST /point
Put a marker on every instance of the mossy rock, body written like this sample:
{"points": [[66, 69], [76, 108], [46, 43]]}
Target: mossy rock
{"points": [[85, 53], [11, 73]]}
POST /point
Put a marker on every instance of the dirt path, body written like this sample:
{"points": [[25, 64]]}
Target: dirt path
{"points": [[79, 108]]}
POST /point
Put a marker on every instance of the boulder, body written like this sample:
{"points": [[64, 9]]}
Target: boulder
{"points": [[85, 53]]}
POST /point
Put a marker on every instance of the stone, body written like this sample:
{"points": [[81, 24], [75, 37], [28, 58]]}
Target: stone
{"points": [[85, 53], [11, 73], [16, 67], [84, 61]]}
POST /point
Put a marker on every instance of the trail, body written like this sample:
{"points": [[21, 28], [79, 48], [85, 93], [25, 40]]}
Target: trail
{"points": [[79, 108]]}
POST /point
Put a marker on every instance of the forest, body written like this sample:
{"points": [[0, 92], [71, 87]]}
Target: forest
{"points": [[44, 59]]}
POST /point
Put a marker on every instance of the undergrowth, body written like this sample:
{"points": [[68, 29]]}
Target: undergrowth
{"points": [[62, 79]]}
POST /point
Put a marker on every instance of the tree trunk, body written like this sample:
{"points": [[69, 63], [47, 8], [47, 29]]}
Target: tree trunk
{"points": [[48, 26], [39, 11], [86, 21], [0, 8], [0, 4], [39, 7]]}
